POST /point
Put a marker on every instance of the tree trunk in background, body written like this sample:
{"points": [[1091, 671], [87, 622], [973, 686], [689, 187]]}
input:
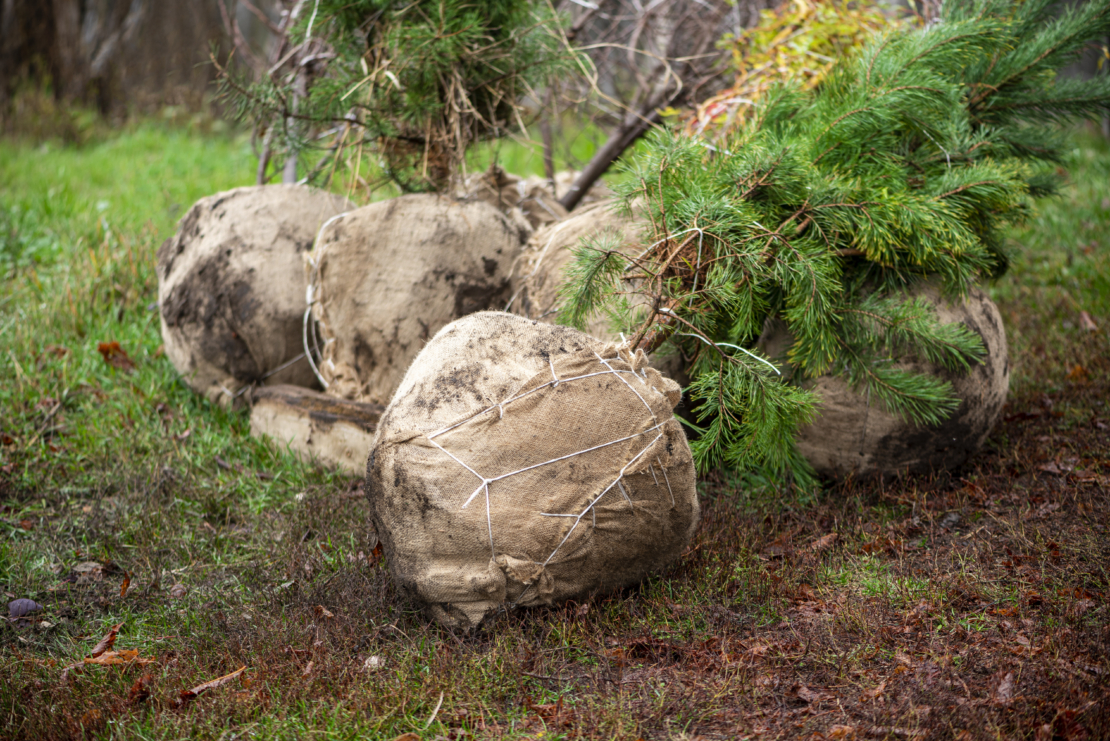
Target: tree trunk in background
{"points": [[668, 57], [116, 54]]}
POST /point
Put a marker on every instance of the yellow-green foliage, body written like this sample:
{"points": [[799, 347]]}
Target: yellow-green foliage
{"points": [[799, 41]]}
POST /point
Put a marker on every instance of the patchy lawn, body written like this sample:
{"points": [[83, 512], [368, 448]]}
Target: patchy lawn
{"points": [[971, 605]]}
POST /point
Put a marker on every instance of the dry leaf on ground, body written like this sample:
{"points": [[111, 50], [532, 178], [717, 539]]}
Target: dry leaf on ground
{"points": [[107, 641], [116, 356], [189, 694], [115, 658], [805, 693], [1004, 693], [140, 691]]}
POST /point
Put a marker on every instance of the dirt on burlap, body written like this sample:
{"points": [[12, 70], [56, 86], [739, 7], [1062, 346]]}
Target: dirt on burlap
{"points": [[386, 277], [856, 435], [540, 269], [231, 287], [524, 464]]}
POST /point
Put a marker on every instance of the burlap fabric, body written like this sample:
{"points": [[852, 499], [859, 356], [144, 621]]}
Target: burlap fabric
{"points": [[854, 434], [231, 288], [385, 277], [524, 464], [538, 272]]}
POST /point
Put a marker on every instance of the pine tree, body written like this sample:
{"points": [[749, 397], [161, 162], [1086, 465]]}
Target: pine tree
{"points": [[415, 83], [825, 206]]}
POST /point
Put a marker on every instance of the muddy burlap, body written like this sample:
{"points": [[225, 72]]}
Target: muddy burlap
{"points": [[385, 277], [524, 464], [538, 272], [855, 435], [231, 288]]}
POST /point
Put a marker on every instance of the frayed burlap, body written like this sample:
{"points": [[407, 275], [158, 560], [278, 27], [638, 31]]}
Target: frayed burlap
{"points": [[231, 288], [385, 277], [524, 464]]}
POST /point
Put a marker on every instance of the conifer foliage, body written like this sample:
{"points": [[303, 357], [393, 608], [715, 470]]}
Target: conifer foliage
{"points": [[827, 205], [413, 82]]}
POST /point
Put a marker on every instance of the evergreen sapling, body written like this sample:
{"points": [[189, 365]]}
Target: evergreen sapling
{"points": [[826, 206]]}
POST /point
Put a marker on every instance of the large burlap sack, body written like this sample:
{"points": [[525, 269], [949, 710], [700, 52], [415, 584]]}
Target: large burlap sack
{"points": [[540, 269], [231, 288], [523, 464], [385, 277], [854, 434]]}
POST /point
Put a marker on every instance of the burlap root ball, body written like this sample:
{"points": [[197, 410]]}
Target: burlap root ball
{"points": [[231, 287], [385, 278], [523, 464], [855, 435], [540, 270]]}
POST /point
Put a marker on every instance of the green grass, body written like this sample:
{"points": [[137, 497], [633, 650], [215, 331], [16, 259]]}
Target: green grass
{"points": [[235, 549]]}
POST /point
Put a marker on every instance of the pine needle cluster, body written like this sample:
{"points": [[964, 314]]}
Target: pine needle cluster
{"points": [[413, 82], [827, 205]]}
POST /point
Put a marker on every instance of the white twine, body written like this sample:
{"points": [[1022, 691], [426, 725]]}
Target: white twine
{"points": [[483, 487], [314, 259]]}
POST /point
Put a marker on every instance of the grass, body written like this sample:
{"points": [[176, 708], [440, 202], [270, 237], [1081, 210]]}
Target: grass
{"points": [[971, 605]]}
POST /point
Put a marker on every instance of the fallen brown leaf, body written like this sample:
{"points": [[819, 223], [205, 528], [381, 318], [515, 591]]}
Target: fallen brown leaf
{"points": [[91, 717], [116, 356], [124, 587], [115, 658], [177, 591], [307, 669], [805, 693], [106, 642], [1004, 693], [824, 542], [324, 612], [407, 737], [1086, 322], [875, 693], [140, 691], [187, 695]]}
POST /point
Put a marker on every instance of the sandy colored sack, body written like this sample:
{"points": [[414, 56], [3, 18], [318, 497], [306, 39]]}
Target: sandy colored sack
{"points": [[525, 464], [385, 277], [231, 288]]}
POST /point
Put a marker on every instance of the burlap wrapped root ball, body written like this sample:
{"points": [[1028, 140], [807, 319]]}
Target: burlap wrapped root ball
{"points": [[538, 273], [231, 288], [386, 277], [524, 464], [855, 434]]}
